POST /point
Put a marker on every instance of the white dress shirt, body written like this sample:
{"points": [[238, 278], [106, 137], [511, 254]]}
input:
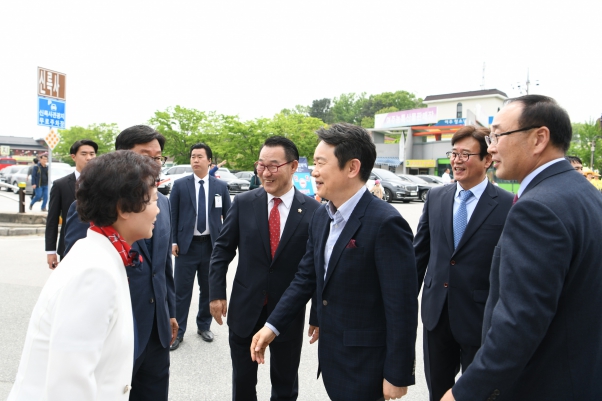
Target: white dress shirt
{"points": [[471, 203], [283, 208], [197, 186]]}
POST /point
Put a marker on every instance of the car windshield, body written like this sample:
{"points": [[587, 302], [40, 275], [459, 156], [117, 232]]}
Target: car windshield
{"points": [[415, 179], [387, 175]]}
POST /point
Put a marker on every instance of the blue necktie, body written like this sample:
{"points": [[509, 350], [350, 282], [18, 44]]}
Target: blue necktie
{"points": [[201, 222], [461, 217]]}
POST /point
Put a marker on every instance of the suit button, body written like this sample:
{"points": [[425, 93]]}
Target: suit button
{"points": [[152, 300], [445, 285], [453, 263], [154, 275], [324, 302], [496, 392], [271, 270]]}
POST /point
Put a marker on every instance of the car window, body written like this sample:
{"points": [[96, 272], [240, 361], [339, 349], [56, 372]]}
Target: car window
{"points": [[415, 179], [387, 175], [187, 169]]}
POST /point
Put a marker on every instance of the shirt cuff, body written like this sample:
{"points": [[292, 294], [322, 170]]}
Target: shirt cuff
{"points": [[50, 252], [269, 326]]}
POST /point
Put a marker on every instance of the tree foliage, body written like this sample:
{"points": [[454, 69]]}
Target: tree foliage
{"points": [[583, 135], [230, 139], [103, 134], [359, 109]]}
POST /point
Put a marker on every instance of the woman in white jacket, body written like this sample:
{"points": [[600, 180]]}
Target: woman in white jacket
{"points": [[80, 340]]}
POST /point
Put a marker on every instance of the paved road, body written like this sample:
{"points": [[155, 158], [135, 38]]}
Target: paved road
{"points": [[199, 371]]}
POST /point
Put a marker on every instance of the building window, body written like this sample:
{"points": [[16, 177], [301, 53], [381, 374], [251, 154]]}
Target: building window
{"points": [[459, 110]]}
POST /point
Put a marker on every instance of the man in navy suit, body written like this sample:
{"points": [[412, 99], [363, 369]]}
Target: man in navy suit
{"points": [[151, 283], [199, 203], [360, 263], [270, 249], [458, 230], [542, 323]]}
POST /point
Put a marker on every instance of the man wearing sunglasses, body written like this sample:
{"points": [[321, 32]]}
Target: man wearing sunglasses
{"points": [[541, 329], [458, 230]]}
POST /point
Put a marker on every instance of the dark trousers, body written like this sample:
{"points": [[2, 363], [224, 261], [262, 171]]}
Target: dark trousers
{"points": [[150, 378], [443, 356], [284, 365], [195, 261]]}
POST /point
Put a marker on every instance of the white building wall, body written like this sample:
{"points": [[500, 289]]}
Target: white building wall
{"points": [[486, 106]]}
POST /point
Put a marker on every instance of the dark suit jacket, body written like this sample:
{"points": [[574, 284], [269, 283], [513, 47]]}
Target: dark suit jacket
{"points": [[367, 304], [543, 322], [62, 195], [151, 284], [246, 228], [462, 275], [184, 209]]}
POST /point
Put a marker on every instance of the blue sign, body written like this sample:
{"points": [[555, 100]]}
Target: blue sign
{"points": [[302, 178], [51, 112], [452, 121]]}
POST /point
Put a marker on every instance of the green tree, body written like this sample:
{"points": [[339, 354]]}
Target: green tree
{"points": [[347, 108], [320, 108], [583, 135], [400, 100], [184, 127], [299, 129], [103, 134]]}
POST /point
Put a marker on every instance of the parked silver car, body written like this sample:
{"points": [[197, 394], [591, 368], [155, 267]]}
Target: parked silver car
{"points": [[59, 170]]}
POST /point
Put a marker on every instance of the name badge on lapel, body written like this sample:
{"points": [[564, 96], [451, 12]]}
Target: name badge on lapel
{"points": [[218, 201]]}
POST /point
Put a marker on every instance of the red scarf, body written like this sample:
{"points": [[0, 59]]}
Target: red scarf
{"points": [[128, 256]]}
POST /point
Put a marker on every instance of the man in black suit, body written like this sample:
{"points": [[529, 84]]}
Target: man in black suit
{"points": [[458, 230], [151, 284], [62, 195], [360, 264], [199, 203], [542, 322], [270, 249]]}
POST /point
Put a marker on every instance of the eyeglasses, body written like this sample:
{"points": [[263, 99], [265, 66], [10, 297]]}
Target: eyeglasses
{"points": [[491, 139], [463, 156], [158, 159], [271, 168]]}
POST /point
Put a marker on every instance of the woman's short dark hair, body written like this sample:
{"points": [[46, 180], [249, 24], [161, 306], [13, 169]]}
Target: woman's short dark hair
{"points": [[121, 179], [478, 133], [350, 142]]}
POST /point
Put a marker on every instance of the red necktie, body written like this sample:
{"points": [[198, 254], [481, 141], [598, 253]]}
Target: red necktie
{"points": [[514, 200], [274, 223]]}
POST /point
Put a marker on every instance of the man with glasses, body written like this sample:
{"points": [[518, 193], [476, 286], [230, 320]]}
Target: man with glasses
{"points": [[458, 230], [269, 227], [199, 203], [541, 329], [151, 283]]}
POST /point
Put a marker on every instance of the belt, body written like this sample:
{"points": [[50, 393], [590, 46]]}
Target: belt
{"points": [[201, 238]]}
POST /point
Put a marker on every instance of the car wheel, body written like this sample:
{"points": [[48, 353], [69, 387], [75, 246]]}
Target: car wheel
{"points": [[15, 184], [423, 195], [388, 195]]}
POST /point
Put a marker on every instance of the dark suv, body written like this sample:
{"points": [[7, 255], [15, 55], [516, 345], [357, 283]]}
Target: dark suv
{"points": [[423, 186], [394, 187]]}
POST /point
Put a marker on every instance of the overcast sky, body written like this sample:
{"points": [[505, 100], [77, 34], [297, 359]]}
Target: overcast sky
{"points": [[125, 60]]}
